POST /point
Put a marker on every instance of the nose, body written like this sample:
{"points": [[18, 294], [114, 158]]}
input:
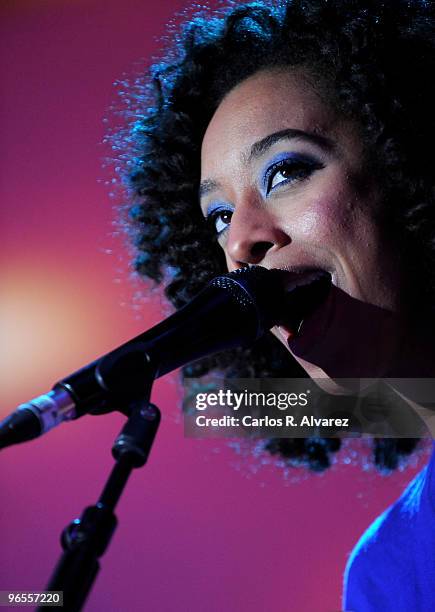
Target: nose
{"points": [[254, 233]]}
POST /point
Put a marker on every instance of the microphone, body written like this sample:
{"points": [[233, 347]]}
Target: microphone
{"points": [[233, 310]]}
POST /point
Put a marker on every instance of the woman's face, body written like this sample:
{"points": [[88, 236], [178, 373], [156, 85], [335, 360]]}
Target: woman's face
{"points": [[285, 186]]}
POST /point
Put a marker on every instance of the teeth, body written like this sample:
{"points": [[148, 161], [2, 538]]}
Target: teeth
{"points": [[301, 279]]}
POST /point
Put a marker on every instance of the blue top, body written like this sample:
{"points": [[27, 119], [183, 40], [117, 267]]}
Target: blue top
{"points": [[392, 568]]}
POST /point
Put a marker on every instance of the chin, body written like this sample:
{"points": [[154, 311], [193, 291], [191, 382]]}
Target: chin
{"points": [[333, 386]]}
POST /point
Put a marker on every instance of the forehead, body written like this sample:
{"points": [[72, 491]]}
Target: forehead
{"points": [[265, 103]]}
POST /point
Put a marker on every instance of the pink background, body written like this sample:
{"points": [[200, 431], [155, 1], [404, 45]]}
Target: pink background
{"points": [[201, 527]]}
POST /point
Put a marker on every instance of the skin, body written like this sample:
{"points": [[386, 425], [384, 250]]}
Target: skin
{"points": [[321, 210]]}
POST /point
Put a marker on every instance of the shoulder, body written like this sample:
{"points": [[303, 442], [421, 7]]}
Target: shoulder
{"points": [[379, 563]]}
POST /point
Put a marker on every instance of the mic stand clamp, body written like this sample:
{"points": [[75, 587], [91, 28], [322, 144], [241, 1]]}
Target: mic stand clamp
{"points": [[86, 539]]}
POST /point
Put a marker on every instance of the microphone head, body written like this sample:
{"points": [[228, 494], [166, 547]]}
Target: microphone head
{"points": [[272, 296], [254, 287]]}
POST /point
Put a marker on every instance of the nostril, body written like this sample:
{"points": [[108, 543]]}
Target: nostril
{"points": [[259, 249]]}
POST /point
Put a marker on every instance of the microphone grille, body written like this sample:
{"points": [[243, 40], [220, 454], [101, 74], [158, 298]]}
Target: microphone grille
{"points": [[254, 287], [229, 284]]}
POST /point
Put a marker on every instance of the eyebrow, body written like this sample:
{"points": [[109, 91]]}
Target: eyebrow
{"points": [[207, 186], [259, 148]]}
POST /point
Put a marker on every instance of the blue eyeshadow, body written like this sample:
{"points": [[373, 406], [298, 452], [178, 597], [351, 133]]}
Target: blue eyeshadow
{"points": [[286, 155], [213, 206]]}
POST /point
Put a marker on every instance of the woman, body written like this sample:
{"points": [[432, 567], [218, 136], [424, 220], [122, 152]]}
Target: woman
{"points": [[306, 130]]}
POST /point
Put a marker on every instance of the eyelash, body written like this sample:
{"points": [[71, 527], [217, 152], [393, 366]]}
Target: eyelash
{"points": [[213, 217], [300, 168]]}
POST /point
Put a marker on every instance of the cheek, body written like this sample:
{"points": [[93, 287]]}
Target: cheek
{"points": [[346, 227], [326, 221], [338, 215], [335, 209]]}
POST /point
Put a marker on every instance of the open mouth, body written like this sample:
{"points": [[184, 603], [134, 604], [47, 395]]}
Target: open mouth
{"points": [[305, 290]]}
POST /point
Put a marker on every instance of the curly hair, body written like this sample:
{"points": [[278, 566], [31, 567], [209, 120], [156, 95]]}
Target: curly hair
{"points": [[374, 58]]}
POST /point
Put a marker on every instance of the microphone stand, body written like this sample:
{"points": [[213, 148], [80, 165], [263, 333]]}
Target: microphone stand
{"points": [[86, 539]]}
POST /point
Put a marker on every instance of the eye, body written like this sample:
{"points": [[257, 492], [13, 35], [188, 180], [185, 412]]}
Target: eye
{"points": [[219, 219], [287, 171]]}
